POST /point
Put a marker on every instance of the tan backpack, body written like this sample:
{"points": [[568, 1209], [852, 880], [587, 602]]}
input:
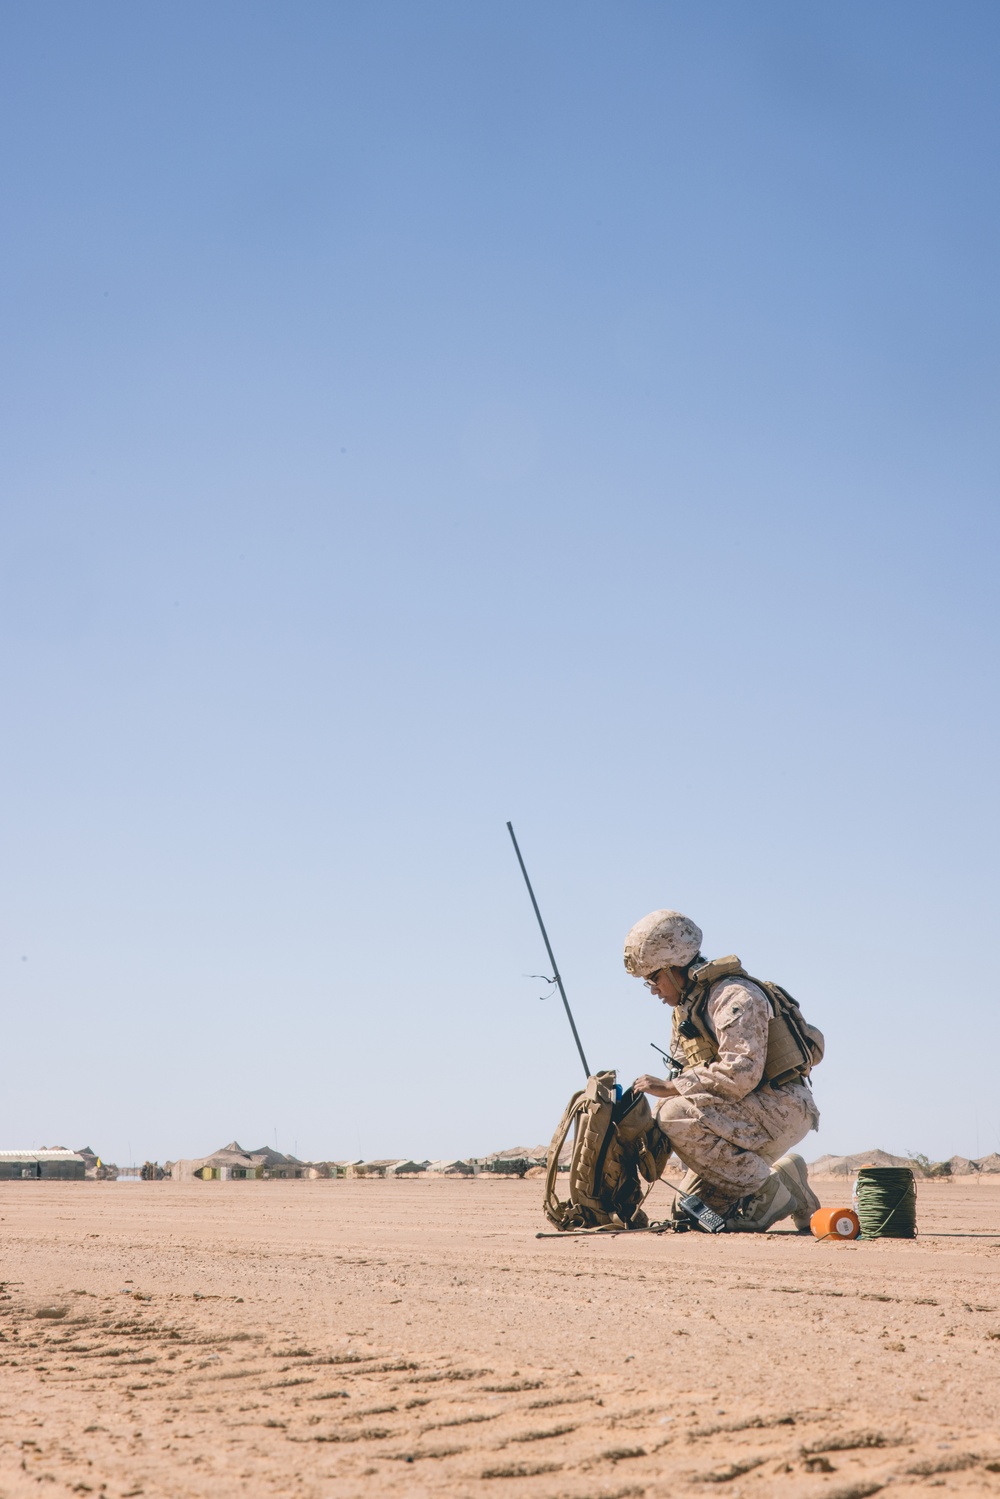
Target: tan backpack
{"points": [[615, 1142]]}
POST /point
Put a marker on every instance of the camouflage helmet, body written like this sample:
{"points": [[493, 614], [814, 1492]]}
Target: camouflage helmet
{"points": [[659, 940]]}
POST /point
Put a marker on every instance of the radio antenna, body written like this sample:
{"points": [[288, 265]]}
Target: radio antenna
{"points": [[552, 960]]}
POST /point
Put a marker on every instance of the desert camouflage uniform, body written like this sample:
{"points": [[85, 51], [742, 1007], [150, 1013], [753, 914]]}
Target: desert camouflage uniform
{"points": [[727, 1126]]}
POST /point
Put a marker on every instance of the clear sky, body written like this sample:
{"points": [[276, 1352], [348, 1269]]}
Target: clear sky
{"points": [[422, 415]]}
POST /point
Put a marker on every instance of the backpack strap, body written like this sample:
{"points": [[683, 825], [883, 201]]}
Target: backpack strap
{"points": [[555, 1210]]}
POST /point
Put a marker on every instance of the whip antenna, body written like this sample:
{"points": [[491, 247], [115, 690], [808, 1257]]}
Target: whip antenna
{"points": [[548, 949]]}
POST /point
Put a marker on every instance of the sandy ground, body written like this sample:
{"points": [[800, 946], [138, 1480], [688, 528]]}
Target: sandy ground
{"points": [[336, 1339]]}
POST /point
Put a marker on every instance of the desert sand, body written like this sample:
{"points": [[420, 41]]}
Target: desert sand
{"points": [[336, 1339]]}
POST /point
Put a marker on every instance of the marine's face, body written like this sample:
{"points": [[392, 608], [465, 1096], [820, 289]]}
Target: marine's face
{"points": [[667, 984]]}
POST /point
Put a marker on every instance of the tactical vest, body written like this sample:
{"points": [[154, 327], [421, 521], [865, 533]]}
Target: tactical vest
{"points": [[794, 1047]]}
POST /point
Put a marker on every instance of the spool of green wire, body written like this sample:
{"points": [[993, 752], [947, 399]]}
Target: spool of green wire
{"points": [[887, 1202]]}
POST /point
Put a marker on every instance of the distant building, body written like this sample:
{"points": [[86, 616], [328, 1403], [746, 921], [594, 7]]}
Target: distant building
{"points": [[277, 1167], [373, 1168], [231, 1163], [97, 1170], [56, 1164], [516, 1161]]}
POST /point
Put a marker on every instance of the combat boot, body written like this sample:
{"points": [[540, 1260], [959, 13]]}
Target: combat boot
{"points": [[768, 1205], [794, 1173]]}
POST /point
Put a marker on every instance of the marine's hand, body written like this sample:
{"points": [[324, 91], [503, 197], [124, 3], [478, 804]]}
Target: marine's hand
{"points": [[655, 1085]]}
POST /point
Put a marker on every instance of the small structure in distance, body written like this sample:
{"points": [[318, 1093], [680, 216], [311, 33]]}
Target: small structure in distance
{"points": [[51, 1163], [516, 1161], [233, 1163]]}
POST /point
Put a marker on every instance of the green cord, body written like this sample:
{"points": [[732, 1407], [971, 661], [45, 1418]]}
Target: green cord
{"points": [[887, 1202]]}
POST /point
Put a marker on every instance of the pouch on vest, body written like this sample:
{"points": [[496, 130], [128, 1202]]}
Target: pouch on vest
{"points": [[794, 1047], [613, 1142]]}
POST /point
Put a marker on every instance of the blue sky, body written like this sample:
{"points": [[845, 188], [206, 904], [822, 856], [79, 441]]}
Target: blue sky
{"points": [[419, 416]]}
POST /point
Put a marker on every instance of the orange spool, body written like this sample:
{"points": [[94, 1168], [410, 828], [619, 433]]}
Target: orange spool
{"points": [[835, 1223]]}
